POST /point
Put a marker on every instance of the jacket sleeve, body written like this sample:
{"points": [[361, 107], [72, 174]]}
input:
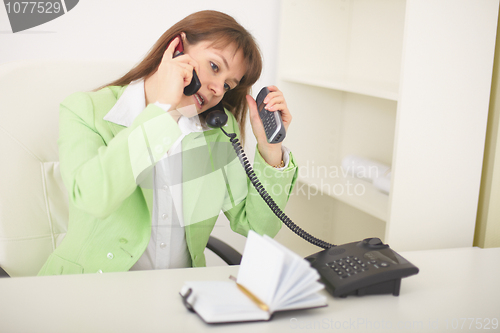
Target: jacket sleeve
{"points": [[244, 208], [100, 174]]}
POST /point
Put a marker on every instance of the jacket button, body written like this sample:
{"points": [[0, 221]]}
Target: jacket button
{"points": [[99, 271], [167, 141], [110, 255]]}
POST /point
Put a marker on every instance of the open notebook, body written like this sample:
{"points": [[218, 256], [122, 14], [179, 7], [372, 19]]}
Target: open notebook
{"points": [[271, 278]]}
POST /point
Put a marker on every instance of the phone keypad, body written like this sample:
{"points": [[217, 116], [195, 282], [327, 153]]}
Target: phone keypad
{"points": [[268, 121], [350, 266]]}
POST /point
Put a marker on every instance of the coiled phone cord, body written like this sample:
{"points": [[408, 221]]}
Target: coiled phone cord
{"points": [[267, 198]]}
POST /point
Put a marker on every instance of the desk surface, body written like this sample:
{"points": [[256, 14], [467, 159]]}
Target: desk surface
{"points": [[455, 290]]}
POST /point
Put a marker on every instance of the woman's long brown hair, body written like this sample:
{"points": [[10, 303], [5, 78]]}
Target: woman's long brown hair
{"points": [[222, 30]]}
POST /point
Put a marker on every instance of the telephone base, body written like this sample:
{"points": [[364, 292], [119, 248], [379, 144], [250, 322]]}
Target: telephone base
{"points": [[361, 268], [388, 287]]}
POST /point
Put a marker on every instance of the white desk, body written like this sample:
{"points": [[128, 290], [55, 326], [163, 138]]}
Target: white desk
{"points": [[451, 285]]}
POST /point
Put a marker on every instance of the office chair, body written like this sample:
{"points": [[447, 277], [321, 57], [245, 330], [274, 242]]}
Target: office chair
{"points": [[33, 199]]}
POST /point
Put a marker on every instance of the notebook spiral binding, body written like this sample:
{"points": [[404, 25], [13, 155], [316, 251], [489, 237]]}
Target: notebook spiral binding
{"points": [[185, 300]]}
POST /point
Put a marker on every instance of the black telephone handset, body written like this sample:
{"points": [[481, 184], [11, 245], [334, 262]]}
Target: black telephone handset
{"points": [[359, 268], [215, 116], [273, 124], [195, 83]]}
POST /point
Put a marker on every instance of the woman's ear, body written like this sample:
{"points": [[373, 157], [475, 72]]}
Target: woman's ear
{"points": [[183, 37], [185, 42]]}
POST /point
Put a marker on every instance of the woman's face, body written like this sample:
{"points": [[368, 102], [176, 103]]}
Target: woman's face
{"points": [[220, 70]]}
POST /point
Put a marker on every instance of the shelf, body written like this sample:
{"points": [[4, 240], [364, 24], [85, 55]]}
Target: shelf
{"points": [[379, 79], [381, 90], [352, 191]]}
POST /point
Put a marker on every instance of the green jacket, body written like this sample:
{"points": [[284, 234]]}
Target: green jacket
{"points": [[110, 215]]}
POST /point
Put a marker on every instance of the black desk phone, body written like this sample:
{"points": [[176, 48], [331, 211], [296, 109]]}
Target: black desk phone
{"points": [[360, 268]]}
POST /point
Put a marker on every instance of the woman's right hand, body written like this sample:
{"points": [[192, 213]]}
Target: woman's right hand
{"points": [[173, 75]]}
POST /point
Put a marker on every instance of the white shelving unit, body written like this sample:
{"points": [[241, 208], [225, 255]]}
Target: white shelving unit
{"points": [[405, 83], [376, 89]]}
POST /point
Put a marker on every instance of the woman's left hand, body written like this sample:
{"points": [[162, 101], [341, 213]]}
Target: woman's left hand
{"points": [[275, 101]]}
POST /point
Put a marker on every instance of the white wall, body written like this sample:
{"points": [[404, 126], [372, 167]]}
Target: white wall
{"points": [[126, 30]]}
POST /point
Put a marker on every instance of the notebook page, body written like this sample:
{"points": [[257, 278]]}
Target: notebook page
{"points": [[311, 301], [297, 270], [222, 301], [261, 267], [304, 294], [303, 286]]}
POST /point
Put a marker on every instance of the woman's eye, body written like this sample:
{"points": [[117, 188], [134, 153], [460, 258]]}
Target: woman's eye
{"points": [[215, 68]]}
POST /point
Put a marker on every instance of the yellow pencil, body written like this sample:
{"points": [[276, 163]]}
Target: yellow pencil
{"points": [[254, 298]]}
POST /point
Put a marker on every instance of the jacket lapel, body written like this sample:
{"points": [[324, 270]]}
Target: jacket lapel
{"points": [[114, 127]]}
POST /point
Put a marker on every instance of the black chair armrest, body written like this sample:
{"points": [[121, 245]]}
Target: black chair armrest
{"points": [[3, 273], [224, 251]]}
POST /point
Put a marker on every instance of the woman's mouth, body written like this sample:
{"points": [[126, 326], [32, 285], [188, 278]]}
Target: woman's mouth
{"points": [[199, 99]]}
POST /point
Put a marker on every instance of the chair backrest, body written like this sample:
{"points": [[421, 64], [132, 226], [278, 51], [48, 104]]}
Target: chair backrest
{"points": [[33, 199]]}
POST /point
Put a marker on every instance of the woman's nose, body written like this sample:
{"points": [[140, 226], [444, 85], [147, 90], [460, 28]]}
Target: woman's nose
{"points": [[217, 86]]}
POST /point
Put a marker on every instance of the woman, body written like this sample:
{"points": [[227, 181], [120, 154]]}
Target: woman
{"points": [[144, 175]]}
